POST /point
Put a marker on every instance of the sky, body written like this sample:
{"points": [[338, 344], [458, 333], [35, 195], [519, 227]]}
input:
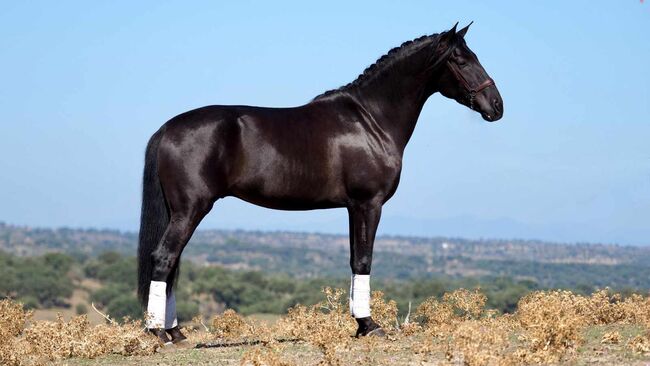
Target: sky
{"points": [[84, 84]]}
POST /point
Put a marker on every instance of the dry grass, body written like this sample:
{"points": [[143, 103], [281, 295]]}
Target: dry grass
{"points": [[549, 327], [25, 342]]}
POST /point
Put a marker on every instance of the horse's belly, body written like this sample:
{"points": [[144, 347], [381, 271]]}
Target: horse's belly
{"points": [[301, 198], [290, 188]]}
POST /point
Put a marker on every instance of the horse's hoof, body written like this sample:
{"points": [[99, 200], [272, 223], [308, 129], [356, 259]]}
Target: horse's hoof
{"points": [[160, 334], [177, 336], [368, 327], [379, 332], [168, 347]]}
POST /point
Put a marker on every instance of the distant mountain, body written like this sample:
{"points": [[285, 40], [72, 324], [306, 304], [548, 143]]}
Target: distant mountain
{"points": [[399, 257]]}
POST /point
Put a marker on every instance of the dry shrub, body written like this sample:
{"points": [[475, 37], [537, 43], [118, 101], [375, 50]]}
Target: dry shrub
{"points": [[466, 304], [602, 308], [432, 312], [231, 325], [613, 337], [13, 319], [384, 312], [45, 341], [327, 325], [549, 325], [59, 339], [480, 342], [553, 322], [467, 333], [636, 310], [263, 356], [456, 306], [409, 329], [639, 344]]}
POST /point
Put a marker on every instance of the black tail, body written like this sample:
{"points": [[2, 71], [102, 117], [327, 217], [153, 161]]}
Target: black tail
{"points": [[153, 218]]}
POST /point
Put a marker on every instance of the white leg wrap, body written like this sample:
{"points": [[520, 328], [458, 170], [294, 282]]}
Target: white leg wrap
{"points": [[360, 296], [156, 305], [170, 312]]}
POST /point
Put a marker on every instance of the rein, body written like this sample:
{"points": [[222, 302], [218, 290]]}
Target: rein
{"points": [[472, 91]]}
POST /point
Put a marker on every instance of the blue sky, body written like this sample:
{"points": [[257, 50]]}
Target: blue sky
{"points": [[84, 84]]}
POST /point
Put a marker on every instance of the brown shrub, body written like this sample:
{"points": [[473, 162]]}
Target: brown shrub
{"points": [[12, 319], [466, 304], [639, 344], [480, 342], [546, 328], [59, 339], [613, 337], [456, 306], [327, 325], [553, 322], [410, 329], [636, 309], [263, 356], [231, 325], [384, 312], [603, 308], [432, 312], [45, 341]]}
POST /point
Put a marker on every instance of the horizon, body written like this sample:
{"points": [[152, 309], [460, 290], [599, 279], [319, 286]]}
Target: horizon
{"points": [[85, 86], [379, 236]]}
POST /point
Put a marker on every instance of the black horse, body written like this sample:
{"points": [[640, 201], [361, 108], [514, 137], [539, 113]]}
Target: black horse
{"points": [[342, 149]]}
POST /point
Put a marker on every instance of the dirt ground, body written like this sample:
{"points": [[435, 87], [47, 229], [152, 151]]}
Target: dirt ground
{"points": [[549, 328], [388, 351]]}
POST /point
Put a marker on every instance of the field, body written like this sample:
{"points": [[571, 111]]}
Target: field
{"points": [[548, 327], [373, 352], [517, 317]]}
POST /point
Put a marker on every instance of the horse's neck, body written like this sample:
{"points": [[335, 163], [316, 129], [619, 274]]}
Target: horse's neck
{"points": [[395, 103]]}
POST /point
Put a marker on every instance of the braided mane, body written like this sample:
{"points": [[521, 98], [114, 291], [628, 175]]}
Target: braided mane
{"points": [[384, 62]]}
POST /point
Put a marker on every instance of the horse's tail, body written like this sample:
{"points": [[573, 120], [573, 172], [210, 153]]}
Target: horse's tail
{"points": [[154, 216]]}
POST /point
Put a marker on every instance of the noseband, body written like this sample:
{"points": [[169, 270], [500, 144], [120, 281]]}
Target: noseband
{"points": [[472, 91]]}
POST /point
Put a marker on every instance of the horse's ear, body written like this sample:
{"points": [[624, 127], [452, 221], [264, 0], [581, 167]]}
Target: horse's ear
{"points": [[447, 38], [453, 29], [461, 33]]}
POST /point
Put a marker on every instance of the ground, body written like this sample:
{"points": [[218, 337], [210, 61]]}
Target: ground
{"points": [[389, 351], [548, 328]]}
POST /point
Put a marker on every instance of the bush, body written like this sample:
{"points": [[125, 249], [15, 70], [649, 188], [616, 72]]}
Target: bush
{"points": [[125, 305], [186, 310], [81, 309], [29, 302], [108, 293]]}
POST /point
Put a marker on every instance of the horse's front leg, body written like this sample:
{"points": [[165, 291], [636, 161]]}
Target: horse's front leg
{"points": [[364, 218]]}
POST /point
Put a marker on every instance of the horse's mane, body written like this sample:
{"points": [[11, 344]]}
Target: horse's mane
{"points": [[386, 61]]}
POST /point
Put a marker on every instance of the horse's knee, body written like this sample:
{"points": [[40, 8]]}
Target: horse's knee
{"points": [[166, 256], [361, 265], [163, 262]]}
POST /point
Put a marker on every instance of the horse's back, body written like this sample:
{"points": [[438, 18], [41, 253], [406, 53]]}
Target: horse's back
{"points": [[255, 153], [313, 156]]}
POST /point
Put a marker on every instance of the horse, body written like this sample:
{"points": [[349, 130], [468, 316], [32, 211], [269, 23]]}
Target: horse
{"points": [[343, 149]]}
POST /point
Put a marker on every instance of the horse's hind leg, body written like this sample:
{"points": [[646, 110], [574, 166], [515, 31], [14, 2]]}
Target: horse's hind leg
{"points": [[183, 221]]}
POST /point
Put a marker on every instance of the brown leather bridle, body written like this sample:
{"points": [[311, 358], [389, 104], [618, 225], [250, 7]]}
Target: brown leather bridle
{"points": [[472, 91]]}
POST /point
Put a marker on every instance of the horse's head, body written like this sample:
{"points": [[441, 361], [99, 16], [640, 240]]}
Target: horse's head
{"points": [[463, 79]]}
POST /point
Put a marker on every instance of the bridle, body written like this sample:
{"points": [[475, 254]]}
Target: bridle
{"points": [[472, 91]]}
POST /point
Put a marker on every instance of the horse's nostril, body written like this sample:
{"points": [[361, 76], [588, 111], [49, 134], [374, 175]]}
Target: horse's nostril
{"points": [[497, 105]]}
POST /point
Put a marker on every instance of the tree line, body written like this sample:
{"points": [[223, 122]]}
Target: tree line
{"points": [[48, 281]]}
